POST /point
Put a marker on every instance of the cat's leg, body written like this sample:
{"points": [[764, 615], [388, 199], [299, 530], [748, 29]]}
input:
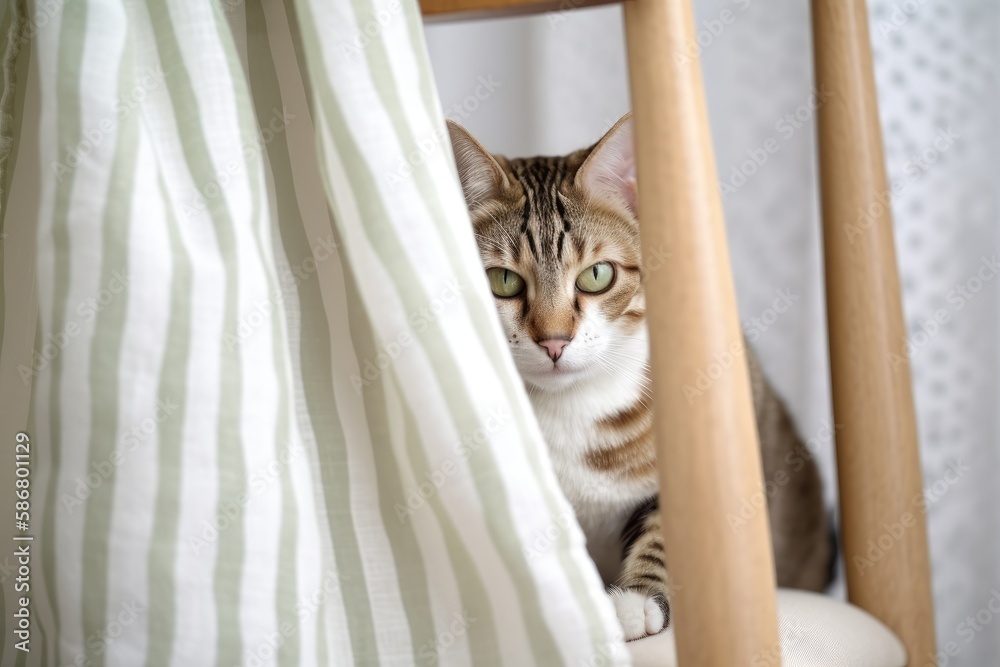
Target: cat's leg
{"points": [[642, 593]]}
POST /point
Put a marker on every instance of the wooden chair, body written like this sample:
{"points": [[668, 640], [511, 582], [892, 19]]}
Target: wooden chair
{"points": [[708, 450]]}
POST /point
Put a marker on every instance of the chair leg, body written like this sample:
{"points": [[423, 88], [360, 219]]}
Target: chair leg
{"points": [[709, 460], [877, 455]]}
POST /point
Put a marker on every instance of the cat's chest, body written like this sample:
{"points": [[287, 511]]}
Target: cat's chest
{"points": [[602, 500], [572, 438]]}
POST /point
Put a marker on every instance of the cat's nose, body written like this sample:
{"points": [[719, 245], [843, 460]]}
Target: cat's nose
{"points": [[554, 346]]}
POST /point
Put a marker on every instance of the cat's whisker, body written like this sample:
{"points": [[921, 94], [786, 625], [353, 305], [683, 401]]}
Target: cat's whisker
{"points": [[620, 353], [505, 232], [490, 243], [486, 239], [624, 379], [630, 380]]}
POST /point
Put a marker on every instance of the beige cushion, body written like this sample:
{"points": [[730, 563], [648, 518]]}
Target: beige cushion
{"points": [[815, 631]]}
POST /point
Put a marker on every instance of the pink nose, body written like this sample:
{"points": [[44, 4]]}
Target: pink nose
{"points": [[554, 346]]}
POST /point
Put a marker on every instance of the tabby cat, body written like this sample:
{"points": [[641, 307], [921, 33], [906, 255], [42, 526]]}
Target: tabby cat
{"points": [[559, 239]]}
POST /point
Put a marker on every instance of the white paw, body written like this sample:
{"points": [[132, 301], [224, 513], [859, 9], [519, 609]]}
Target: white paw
{"points": [[639, 614]]}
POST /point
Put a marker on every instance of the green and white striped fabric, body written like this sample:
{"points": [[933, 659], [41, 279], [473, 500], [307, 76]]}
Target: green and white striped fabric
{"points": [[272, 417]]}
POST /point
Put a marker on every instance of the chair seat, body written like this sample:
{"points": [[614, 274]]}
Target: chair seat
{"points": [[815, 631]]}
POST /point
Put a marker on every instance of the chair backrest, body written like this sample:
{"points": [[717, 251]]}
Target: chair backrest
{"points": [[878, 458], [877, 453]]}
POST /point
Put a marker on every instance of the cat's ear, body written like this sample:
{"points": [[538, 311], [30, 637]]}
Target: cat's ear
{"points": [[481, 175], [608, 173]]}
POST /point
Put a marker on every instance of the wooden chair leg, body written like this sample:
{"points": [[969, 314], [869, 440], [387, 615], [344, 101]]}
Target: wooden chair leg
{"points": [[877, 455], [709, 460]]}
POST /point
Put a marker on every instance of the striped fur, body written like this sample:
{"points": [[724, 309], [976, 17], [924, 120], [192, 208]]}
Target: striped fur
{"points": [[548, 219]]}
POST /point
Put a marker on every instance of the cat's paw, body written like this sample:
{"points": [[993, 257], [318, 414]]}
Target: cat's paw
{"points": [[639, 613]]}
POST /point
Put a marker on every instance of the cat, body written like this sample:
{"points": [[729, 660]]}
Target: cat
{"points": [[559, 240]]}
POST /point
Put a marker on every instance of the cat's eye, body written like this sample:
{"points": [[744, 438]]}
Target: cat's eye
{"points": [[504, 282], [596, 278]]}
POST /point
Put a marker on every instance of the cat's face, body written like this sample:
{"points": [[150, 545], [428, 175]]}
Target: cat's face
{"points": [[559, 240]]}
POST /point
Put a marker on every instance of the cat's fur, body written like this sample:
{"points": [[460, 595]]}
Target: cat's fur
{"points": [[583, 358]]}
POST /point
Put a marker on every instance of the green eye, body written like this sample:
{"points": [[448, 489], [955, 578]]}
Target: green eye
{"points": [[504, 282], [596, 278]]}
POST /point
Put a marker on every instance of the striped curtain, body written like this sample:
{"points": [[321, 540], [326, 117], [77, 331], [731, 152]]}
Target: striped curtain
{"points": [[270, 413]]}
